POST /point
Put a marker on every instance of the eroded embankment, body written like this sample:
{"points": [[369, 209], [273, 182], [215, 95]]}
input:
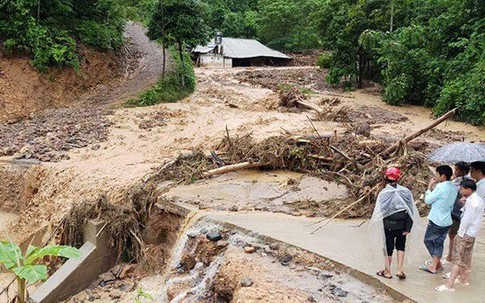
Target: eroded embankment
{"points": [[210, 262]]}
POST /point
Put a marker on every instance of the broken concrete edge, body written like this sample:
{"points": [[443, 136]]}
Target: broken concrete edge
{"points": [[77, 274], [181, 210]]}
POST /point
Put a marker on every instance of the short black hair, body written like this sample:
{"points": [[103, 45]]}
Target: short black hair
{"points": [[469, 184], [463, 167], [478, 165], [445, 170]]}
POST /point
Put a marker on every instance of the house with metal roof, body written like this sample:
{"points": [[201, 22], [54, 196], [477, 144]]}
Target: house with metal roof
{"points": [[232, 52]]}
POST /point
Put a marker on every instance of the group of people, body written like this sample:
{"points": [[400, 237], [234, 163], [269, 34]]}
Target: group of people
{"points": [[457, 200]]}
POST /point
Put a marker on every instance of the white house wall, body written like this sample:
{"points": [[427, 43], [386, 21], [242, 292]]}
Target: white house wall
{"points": [[214, 61]]}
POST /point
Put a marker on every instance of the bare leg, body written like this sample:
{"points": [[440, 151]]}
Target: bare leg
{"points": [[387, 271], [464, 275], [449, 258], [400, 262], [455, 271], [436, 265]]}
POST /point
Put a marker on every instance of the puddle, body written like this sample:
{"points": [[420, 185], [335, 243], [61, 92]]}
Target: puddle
{"points": [[256, 190]]}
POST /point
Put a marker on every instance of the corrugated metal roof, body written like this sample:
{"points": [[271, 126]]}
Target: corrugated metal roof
{"points": [[242, 48]]}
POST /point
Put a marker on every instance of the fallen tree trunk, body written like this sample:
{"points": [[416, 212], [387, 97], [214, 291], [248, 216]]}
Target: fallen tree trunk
{"points": [[230, 168], [420, 132]]}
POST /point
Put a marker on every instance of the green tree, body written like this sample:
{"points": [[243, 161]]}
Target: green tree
{"points": [[26, 267], [179, 22]]}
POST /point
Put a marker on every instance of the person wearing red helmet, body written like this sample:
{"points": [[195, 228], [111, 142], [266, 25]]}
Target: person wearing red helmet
{"points": [[393, 217]]}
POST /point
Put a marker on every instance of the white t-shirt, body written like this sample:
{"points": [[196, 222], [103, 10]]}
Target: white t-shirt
{"points": [[481, 188], [472, 218]]}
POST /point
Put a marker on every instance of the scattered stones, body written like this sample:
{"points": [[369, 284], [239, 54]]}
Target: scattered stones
{"points": [[247, 282], [214, 236], [339, 292], [49, 136]]}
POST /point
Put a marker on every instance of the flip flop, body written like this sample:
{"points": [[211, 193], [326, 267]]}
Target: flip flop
{"points": [[426, 269], [401, 276], [444, 288], [381, 274]]}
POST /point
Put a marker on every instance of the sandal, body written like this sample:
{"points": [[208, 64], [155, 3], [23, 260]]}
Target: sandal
{"points": [[426, 269], [401, 276], [381, 274]]}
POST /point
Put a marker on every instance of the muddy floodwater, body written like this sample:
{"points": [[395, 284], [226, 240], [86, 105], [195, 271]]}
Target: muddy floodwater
{"points": [[278, 191]]}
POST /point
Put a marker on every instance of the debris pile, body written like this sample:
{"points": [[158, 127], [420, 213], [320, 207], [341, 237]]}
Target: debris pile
{"points": [[353, 160]]}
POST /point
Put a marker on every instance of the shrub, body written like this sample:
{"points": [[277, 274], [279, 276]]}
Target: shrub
{"points": [[324, 60]]}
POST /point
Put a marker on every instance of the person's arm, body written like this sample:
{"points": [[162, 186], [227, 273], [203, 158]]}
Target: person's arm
{"points": [[432, 196], [409, 224]]}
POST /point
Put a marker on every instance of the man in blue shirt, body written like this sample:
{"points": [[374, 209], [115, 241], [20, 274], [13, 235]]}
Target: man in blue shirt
{"points": [[441, 195]]}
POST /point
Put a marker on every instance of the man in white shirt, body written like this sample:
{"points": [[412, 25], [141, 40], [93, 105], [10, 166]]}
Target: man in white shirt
{"points": [[470, 224], [477, 172]]}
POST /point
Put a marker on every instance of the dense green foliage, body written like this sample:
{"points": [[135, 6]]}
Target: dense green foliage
{"points": [[169, 88], [50, 30], [281, 24]]}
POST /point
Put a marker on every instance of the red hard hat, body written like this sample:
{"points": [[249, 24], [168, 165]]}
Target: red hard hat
{"points": [[393, 173]]}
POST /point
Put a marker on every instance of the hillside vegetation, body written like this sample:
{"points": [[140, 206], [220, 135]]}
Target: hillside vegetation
{"points": [[424, 52]]}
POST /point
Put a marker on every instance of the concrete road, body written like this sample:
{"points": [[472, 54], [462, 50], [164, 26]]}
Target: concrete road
{"points": [[346, 243]]}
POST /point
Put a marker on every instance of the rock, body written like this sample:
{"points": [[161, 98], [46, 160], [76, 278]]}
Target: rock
{"points": [[233, 208], [249, 249], [274, 246], [115, 294], [222, 244], [128, 271], [296, 213], [214, 236], [339, 292], [285, 261], [247, 282], [203, 231], [192, 234], [107, 277], [96, 147], [311, 299]]}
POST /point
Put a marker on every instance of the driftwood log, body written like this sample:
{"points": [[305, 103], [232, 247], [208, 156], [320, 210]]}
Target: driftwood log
{"points": [[405, 140], [230, 168]]}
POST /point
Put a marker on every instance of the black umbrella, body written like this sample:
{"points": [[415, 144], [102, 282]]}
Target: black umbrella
{"points": [[458, 151]]}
